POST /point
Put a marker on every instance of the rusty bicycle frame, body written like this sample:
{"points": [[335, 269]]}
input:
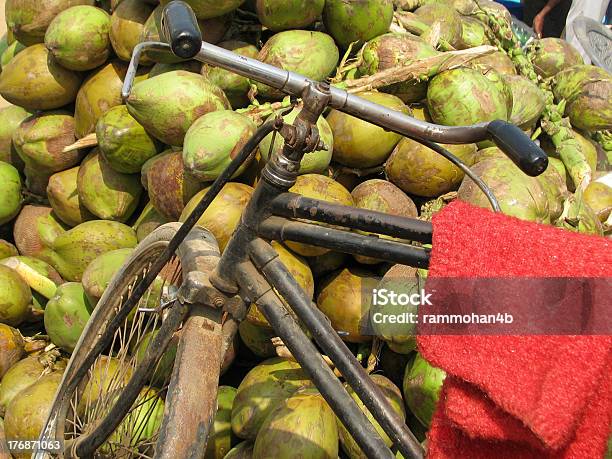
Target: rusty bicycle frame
{"points": [[249, 270]]}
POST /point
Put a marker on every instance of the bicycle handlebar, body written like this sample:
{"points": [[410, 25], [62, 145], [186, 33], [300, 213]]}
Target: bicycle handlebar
{"points": [[519, 147], [181, 29]]}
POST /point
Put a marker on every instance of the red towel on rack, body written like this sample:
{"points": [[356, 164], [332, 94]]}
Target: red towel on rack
{"points": [[521, 396]]}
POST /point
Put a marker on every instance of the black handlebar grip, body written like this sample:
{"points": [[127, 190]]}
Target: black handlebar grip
{"points": [[530, 158], [180, 29]]}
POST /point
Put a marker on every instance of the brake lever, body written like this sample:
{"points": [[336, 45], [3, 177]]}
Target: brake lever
{"points": [[130, 75]]}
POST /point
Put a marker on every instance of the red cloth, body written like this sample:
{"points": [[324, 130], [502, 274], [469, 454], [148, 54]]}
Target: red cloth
{"points": [[519, 396], [448, 441]]}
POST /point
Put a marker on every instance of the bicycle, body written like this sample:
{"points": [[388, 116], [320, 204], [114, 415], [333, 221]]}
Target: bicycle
{"points": [[177, 290]]}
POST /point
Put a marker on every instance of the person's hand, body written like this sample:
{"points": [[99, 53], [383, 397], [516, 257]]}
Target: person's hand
{"points": [[538, 23]]}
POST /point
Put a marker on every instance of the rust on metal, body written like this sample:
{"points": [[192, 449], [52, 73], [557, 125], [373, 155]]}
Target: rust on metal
{"points": [[192, 394]]}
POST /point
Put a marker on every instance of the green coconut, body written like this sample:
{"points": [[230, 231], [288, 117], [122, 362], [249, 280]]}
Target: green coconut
{"points": [[64, 198], [393, 396], [220, 438], [35, 230], [419, 170], [598, 196], [33, 79], [473, 33], [382, 196], [28, 19], [123, 142], [497, 78], [10, 190], [169, 186], [360, 144], [528, 99], [320, 187], [66, 315], [390, 50], [551, 55], [148, 220], [243, 450], [106, 379], [400, 337], [303, 424], [126, 25], [168, 104], [205, 9], [313, 162], [12, 347], [40, 141], [25, 373], [236, 87], [386, 50], [299, 269], [591, 110], [327, 263], [392, 364], [7, 249], [357, 21], [312, 54], [4, 43], [10, 52], [163, 368], [188, 66], [588, 148], [587, 91], [345, 298], [422, 385], [212, 30], [100, 272], [10, 119], [16, 297], [261, 390], [78, 37], [100, 92], [497, 60], [27, 413], [518, 194], [213, 141], [448, 19], [143, 421], [555, 189], [106, 193], [151, 31], [72, 251], [223, 215], [279, 15], [40, 276], [257, 338], [465, 96]]}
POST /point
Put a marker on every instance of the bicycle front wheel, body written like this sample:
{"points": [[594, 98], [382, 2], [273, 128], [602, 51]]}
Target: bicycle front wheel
{"points": [[111, 401]]}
